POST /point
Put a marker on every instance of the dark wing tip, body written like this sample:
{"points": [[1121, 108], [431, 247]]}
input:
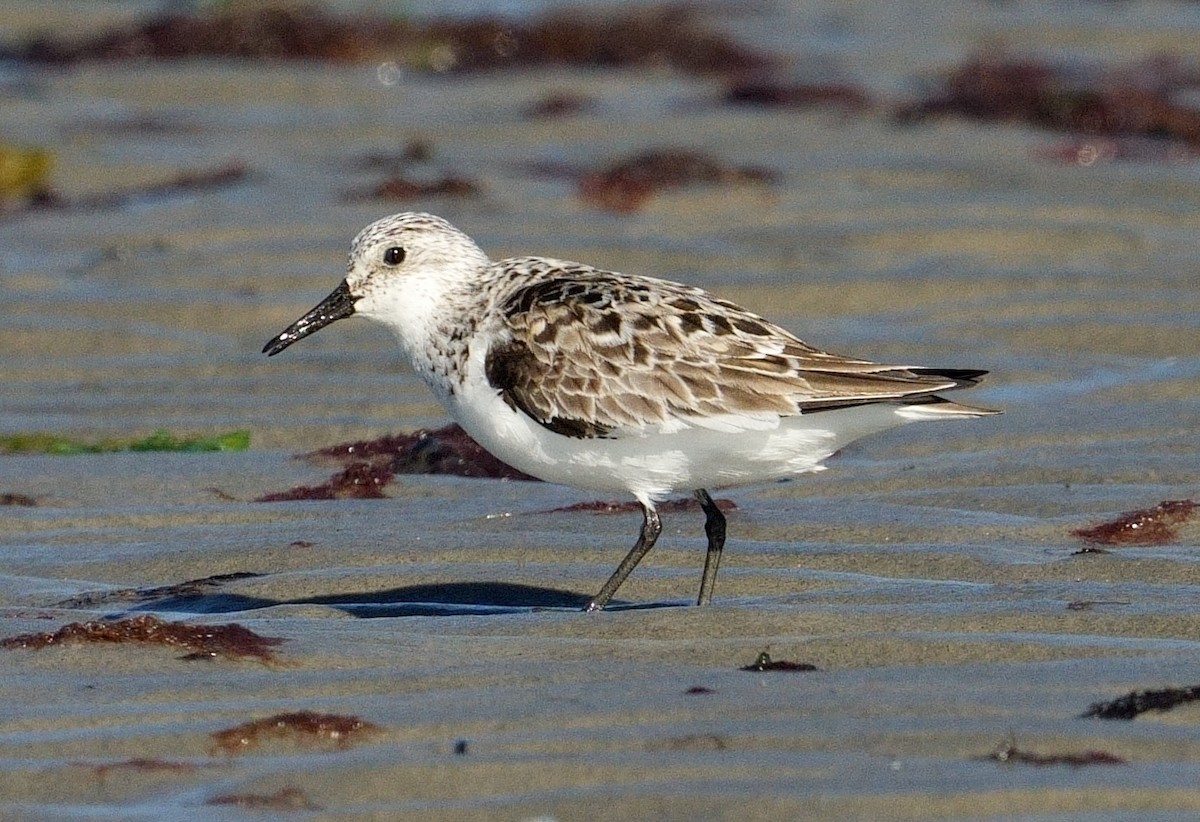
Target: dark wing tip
{"points": [[909, 386], [962, 377]]}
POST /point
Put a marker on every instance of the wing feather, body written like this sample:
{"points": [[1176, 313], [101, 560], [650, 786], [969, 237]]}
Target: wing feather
{"points": [[589, 353]]}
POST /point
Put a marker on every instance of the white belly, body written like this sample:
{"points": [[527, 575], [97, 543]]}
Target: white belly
{"points": [[652, 464]]}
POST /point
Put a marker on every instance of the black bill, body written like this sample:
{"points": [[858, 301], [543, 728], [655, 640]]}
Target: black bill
{"points": [[337, 306]]}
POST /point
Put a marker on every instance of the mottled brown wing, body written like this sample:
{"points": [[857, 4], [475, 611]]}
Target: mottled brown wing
{"points": [[590, 354]]}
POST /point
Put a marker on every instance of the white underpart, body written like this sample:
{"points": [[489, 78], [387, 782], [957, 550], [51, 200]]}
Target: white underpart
{"points": [[657, 461]]}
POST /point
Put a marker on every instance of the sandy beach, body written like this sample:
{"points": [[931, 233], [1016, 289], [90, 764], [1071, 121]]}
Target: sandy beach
{"points": [[431, 663]]}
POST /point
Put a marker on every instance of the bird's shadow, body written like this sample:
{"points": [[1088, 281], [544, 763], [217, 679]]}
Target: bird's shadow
{"points": [[206, 596]]}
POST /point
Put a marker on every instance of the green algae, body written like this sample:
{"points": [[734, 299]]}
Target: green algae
{"points": [[41, 443]]}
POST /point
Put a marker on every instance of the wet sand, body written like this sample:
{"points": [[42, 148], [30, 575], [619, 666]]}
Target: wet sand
{"points": [[930, 574]]}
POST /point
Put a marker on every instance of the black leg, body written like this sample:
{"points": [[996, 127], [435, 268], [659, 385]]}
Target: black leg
{"points": [[651, 528], [714, 527]]}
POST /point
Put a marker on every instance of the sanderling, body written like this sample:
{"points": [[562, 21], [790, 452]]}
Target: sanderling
{"points": [[611, 382]]}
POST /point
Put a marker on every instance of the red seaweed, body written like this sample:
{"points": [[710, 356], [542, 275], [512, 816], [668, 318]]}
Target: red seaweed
{"points": [[359, 480], [1140, 702], [628, 185], [1146, 526], [336, 731], [404, 188], [1010, 753], [1136, 100], [446, 450], [669, 35], [371, 464], [231, 640]]}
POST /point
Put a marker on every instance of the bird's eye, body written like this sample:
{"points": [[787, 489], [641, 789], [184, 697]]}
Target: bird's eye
{"points": [[394, 255]]}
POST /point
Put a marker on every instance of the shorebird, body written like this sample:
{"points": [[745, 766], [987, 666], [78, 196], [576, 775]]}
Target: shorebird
{"points": [[618, 383]]}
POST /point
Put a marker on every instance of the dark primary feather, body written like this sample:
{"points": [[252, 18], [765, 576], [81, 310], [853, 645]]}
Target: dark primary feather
{"points": [[590, 353]]}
